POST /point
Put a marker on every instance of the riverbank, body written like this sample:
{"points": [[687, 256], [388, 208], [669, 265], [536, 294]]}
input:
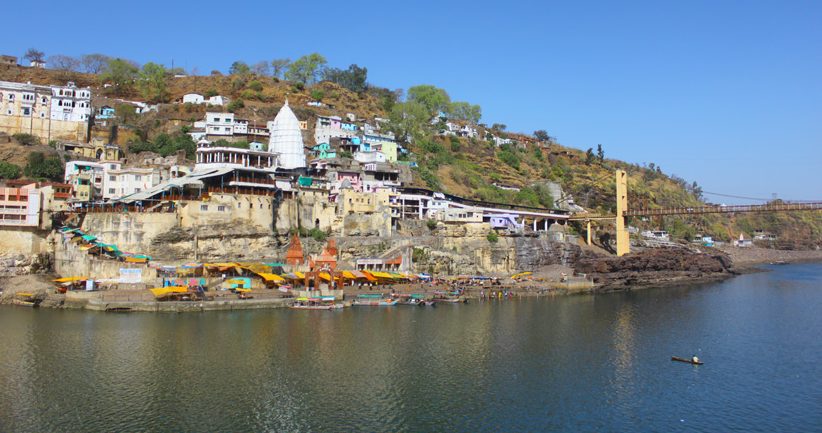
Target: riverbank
{"points": [[594, 274]]}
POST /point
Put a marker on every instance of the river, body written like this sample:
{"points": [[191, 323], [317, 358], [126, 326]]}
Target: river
{"points": [[578, 363]]}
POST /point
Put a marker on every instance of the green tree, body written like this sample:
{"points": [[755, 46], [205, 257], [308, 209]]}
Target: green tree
{"points": [[152, 82], [40, 167], [464, 111], [431, 97], [307, 69], [9, 170], [120, 74], [542, 135], [317, 94], [354, 78], [492, 237], [589, 156], [409, 120], [600, 154], [239, 68], [279, 66]]}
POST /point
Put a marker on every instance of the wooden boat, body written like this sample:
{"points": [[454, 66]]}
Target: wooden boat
{"points": [[450, 300], [686, 360], [316, 304], [375, 302], [24, 299]]}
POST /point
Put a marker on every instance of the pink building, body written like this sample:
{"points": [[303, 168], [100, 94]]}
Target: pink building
{"points": [[20, 206]]}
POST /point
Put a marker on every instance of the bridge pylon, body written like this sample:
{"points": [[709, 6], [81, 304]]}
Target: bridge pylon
{"points": [[623, 241]]}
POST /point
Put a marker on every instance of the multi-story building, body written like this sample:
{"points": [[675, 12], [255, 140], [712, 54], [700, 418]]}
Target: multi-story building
{"points": [[20, 206], [48, 112], [86, 178], [125, 181]]}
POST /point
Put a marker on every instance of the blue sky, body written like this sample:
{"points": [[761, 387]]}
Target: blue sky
{"points": [[727, 93]]}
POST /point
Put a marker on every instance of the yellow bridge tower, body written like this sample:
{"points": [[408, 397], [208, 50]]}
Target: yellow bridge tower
{"points": [[623, 242]]}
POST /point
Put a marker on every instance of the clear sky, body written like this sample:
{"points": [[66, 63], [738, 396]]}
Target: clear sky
{"points": [[727, 93]]}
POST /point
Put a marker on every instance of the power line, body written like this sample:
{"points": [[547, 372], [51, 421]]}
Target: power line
{"points": [[759, 199], [736, 196]]}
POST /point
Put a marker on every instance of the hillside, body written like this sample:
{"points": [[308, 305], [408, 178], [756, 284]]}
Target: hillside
{"points": [[469, 167]]}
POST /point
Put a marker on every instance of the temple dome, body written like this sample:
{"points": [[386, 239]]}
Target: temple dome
{"points": [[287, 139]]}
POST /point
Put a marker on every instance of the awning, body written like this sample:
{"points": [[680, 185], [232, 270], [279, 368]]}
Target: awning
{"points": [[384, 275], [136, 260], [349, 275], [272, 277], [165, 291], [325, 276], [70, 279], [519, 275], [368, 276], [89, 238]]}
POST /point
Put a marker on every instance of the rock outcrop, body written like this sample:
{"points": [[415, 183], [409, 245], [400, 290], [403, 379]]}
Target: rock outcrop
{"points": [[653, 267]]}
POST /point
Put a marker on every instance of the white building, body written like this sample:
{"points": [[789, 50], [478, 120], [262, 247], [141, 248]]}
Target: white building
{"points": [[193, 98], [122, 182], [287, 139], [367, 157], [197, 99], [49, 112], [219, 124]]}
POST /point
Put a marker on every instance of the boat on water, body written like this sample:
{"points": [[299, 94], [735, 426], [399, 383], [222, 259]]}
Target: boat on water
{"points": [[450, 300], [414, 300], [374, 300], [686, 360], [323, 303], [25, 299]]}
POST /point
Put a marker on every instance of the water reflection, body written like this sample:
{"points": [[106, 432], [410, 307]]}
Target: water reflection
{"points": [[572, 364]]}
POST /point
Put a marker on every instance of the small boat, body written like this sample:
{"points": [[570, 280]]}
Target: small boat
{"points": [[374, 300], [25, 299], [326, 303], [686, 360], [451, 300]]}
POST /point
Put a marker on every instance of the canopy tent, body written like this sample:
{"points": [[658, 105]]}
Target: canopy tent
{"points": [[88, 238], [274, 278], [70, 279], [161, 292], [520, 275]]}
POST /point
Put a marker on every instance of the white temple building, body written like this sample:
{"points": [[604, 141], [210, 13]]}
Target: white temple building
{"points": [[287, 139], [285, 149]]}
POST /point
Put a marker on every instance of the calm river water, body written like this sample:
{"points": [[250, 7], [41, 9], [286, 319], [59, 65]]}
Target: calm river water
{"points": [[564, 364]]}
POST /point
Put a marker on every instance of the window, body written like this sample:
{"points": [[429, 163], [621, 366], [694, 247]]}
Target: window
{"points": [[204, 207], [26, 111], [112, 167], [220, 208], [137, 189], [11, 96], [43, 99], [112, 178], [137, 177], [111, 190]]}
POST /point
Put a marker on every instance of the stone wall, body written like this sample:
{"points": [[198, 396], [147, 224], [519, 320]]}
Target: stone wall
{"points": [[23, 240], [45, 128]]}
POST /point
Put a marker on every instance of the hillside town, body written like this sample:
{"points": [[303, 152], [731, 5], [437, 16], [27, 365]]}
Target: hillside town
{"points": [[321, 202]]}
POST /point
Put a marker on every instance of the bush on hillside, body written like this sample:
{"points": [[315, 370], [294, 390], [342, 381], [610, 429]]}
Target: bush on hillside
{"points": [[40, 167], [9, 170], [27, 139]]}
